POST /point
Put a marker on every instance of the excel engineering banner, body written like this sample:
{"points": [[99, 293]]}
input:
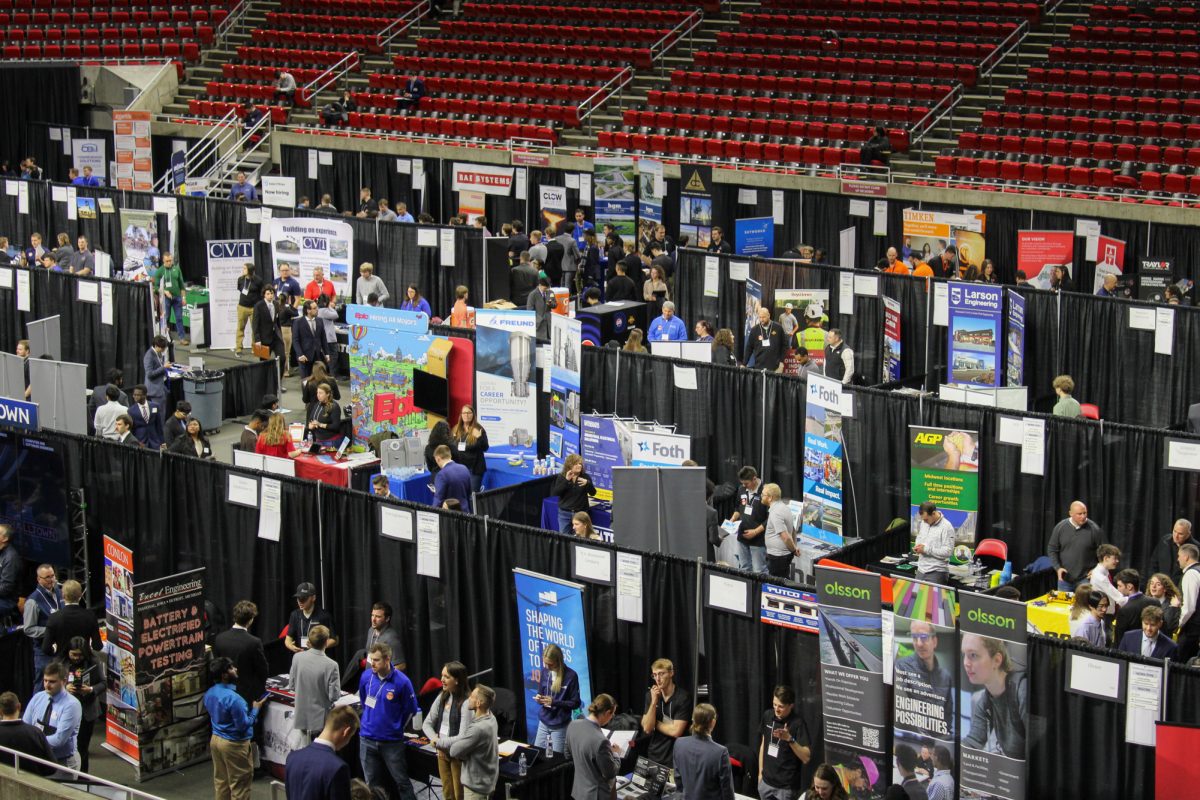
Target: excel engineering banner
{"points": [[550, 611], [944, 469], [994, 696], [505, 387], [852, 690], [614, 185], [566, 341], [924, 655], [975, 346], [821, 518]]}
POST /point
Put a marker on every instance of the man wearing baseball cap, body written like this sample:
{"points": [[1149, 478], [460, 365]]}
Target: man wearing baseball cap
{"points": [[788, 322], [304, 617]]}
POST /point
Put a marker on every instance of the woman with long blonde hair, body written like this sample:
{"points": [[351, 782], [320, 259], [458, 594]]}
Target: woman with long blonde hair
{"points": [[276, 440], [558, 696]]}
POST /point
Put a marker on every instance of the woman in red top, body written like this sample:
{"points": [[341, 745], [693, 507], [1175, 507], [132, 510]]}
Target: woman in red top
{"points": [[275, 440]]}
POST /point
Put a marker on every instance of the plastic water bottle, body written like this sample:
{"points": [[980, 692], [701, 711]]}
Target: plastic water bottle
{"points": [[522, 767], [1006, 573]]}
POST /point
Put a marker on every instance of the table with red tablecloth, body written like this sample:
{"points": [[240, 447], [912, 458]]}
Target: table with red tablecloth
{"points": [[350, 473]]}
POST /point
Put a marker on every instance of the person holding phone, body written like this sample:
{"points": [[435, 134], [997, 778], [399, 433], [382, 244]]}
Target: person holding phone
{"points": [[572, 487], [232, 730], [558, 696]]}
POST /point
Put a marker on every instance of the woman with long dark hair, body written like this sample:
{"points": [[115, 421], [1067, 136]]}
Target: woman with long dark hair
{"points": [[470, 443], [85, 682], [324, 416], [438, 436], [320, 374], [414, 302], [193, 442], [572, 487], [826, 785], [449, 716]]}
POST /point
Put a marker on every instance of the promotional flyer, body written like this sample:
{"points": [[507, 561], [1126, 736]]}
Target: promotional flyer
{"points": [[566, 341], [550, 611], [314, 243], [821, 518], [891, 339], [505, 384], [932, 233], [1015, 340], [1110, 253], [945, 471], [1039, 252], [651, 191], [810, 307], [695, 204], [226, 259], [552, 206], [975, 349], [852, 688], [924, 656], [614, 186], [993, 697]]}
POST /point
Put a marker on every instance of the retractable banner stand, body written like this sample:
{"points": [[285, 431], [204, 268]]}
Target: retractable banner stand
{"points": [[1015, 340], [821, 518], [924, 656], [566, 342], [505, 385], [651, 190], [550, 611], [121, 717], [132, 151], [695, 203], [975, 347], [993, 698], [552, 205], [1110, 255], [1154, 274], [225, 261], [810, 307], [90, 153], [891, 339], [753, 302], [1039, 252], [139, 229], [945, 471], [755, 236], [852, 689], [311, 243], [615, 201]]}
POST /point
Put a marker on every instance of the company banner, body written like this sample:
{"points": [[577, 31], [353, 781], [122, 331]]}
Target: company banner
{"points": [[753, 303], [411, 322], [755, 237], [179, 167], [944, 469], [891, 339], [132, 151], [506, 385], [279, 191], [695, 203], [975, 346], [90, 153], [994, 696], [311, 243], [1111, 255], [810, 307], [651, 449], [605, 442], [382, 361], [550, 611], [852, 689], [139, 230], [566, 341], [121, 717], [19, 414], [614, 186], [651, 191], [788, 608], [929, 233], [1039, 252], [924, 655], [482, 178], [471, 204], [1154, 275], [821, 518], [552, 206], [1015, 340], [226, 258]]}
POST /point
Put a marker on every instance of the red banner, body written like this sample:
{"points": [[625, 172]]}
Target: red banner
{"points": [[1110, 259], [1039, 252]]}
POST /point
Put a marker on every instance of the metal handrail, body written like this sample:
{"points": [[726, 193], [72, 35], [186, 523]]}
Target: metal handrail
{"points": [[672, 37], [232, 21], [398, 26], [936, 114], [208, 144], [232, 159], [330, 76], [604, 93], [165, 65], [78, 775]]}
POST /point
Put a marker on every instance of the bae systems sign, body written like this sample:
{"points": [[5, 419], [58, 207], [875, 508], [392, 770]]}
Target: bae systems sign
{"points": [[483, 178], [19, 414]]}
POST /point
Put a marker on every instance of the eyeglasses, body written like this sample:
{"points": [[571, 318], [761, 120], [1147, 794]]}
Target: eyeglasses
{"points": [[922, 638]]}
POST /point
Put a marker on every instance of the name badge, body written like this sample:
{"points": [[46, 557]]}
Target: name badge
{"points": [[370, 701], [462, 446], [304, 642], [746, 509], [773, 749], [246, 290], [665, 337]]}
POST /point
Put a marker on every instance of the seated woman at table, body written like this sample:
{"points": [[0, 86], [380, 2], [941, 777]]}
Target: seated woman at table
{"points": [[470, 443], [581, 524], [276, 440], [438, 436], [193, 442], [320, 374], [414, 302], [324, 416]]}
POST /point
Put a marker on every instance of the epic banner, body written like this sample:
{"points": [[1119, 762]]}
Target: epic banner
{"points": [[975, 347], [821, 518], [311, 243], [566, 341], [852, 690], [614, 185], [550, 611], [945, 470], [225, 261], [505, 386]]}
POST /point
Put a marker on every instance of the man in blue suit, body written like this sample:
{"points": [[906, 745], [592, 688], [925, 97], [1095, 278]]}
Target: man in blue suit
{"points": [[317, 772], [147, 419], [1150, 640], [154, 364], [453, 480]]}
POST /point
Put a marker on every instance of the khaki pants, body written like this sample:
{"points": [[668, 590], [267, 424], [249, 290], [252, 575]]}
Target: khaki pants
{"points": [[233, 768], [287, 350], [450, 771], [244, 316], [470, 794]]}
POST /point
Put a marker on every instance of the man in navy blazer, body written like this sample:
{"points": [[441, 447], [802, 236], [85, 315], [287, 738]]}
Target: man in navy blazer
{"points": [[317, 772], [154, 365], [308, 339], [1149, 641], [147, 420]]}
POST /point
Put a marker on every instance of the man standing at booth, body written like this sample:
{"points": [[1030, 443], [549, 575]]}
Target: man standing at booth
{"points": [[1165, 558], [308, 339], [44, 600], [388, 702], [767, 342], [839, 359], [1072, 547], [668, 711], [1189, 620], [668, 327], [154, 364], [10, 568], [57, 713], [232, 730], [304, 617]]}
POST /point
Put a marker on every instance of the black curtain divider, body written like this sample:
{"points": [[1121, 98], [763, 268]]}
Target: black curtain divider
{"points": [[36, 92], [520, 503], [873, 548], [51, 157], [245, 385], [1031, 585]]}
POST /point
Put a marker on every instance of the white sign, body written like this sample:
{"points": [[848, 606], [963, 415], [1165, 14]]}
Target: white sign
{"points": [[241, 490], [106, 303], [24, 291], [1164, 331], [941, 304], [482, 178], [739, 271], [593, 564], [306, 244], [824, 393], [278, 190], [727, 593], [226, 258], [629, 587], [860, 208], [1141, 319], [846, 292], [777, 206], [90, 153], [1033, 446], [881, 218], [1143, 694], [395, 523], [712, 276], [429, 544], [270, 513], [660, 449], [866, 285]]}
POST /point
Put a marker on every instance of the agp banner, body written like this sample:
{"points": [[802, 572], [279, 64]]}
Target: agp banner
{"points": [[1110, 254], [505, 385], [974, 331], [924, 724], [312, 243], [482, 178], [891, 339], [226, 259], [945, 471], [552, 205], [994, 696], [550, 611], [1015, 339], [651, 191], [852, 689], [614, 186], [1039, 252], [821, 517], [566, 341]]}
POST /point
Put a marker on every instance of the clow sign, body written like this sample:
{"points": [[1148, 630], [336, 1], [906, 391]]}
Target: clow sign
{"points": [[19, 414]]}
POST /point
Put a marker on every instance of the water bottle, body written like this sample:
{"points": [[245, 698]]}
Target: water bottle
{"points": [[522, 767], [1006, 573]]}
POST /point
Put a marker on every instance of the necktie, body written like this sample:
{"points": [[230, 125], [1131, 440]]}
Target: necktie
{"points": [[312, 326], [46, 727], [145, 412], [1147, 647]]}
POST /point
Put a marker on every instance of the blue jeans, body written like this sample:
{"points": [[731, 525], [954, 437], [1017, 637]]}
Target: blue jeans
{"points": [[381, 759], [752, 558], [176, 304], [548, 737], [564, 522]]}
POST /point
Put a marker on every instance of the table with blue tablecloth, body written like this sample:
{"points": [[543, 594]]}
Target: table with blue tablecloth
{"points": [[416, 488], [601, 514]]}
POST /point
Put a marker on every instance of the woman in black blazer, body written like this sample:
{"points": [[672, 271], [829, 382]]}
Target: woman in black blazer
{"points": [[470, 443], [324, 417], [193, 443]]}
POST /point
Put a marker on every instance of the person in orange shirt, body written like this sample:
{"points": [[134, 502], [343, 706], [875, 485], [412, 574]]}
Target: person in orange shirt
{"points": [[919, 267], [460, 316]]}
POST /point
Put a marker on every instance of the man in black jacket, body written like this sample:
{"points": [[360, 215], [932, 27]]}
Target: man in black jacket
{"points": [[522, 279], [764, 348], [620, 287], [308, 339], [246, 652], [1165, 558], [267, 330], [70, 621], [1129, 616]]}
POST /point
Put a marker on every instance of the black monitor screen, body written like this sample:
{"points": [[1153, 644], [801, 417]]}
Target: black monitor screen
{"points": [[431, 393]]}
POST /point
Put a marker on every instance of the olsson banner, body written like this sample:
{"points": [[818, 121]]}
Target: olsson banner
{"points": [[994, 698], [975, 345], [944, 466], [550, 612], [852, 692], [924, 725]]}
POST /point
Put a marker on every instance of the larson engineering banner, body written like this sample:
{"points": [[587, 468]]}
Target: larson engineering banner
{"points": [[944, 467], [975, 349], [308, 243]]}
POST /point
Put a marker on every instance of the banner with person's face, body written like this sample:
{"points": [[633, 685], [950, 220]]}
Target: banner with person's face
{"points": [[944, 470]]}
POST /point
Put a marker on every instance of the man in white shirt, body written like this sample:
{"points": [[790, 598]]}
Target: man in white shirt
{"points": [[1109, 558], [935, 545], [1189, 620], [105, 420]]}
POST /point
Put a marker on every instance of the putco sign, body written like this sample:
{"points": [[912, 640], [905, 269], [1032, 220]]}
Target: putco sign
{"points": [[660, 449]]}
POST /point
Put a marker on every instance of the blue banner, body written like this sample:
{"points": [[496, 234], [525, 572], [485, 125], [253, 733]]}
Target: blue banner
{"points": [[550, 611], [505, 389], [19, 414], [566, 341], [614, 190], [754, 237], [1015, 340], [600, 447], [974, 333], [821, 516], [412, 322]]}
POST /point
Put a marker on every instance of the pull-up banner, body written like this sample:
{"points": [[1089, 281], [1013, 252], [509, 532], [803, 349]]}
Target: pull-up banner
{"points": [[932, 233], [891, 339], [975, 347], [615, 184], [821, 518], [313, 243], [505, 389], [945, 471], [852, 691], [696, 203], [1110, 260], [651, 190], [1015, 339], [1039, 252], [566, 342]]}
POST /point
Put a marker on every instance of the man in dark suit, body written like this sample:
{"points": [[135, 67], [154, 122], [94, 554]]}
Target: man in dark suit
{"points": [[70, 621], [245, 650], [308, 339], [1129, 616], [702, 767], [115, 378], [1150, 641], [267, 330], [766, 343], [414, 90], [147, 419], [317, 772], [592, 754], [154, 365]]}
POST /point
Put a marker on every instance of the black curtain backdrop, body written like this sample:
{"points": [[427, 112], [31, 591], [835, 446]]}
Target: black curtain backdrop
{"points": [[36, 93]]}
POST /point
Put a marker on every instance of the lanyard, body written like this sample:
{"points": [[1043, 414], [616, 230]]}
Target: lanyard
{"points": [[379, 691], [51, 600]]}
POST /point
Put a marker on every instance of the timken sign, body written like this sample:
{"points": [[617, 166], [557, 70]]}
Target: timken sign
{"points": [[483, 178]]}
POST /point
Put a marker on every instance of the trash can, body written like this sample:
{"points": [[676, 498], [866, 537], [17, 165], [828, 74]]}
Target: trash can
{"points": [[205, 390]]}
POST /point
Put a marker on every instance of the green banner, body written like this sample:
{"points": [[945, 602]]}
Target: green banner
{"points": [[945, 471]]}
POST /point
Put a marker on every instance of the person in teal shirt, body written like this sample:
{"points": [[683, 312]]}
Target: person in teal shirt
{"points": [[232, 730], [169, 281]]}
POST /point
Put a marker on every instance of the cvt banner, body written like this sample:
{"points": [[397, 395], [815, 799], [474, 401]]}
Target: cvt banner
{"points": [[614, 187], [810, 307], [505, 384], [225, 261], [1153, 276], [553, 206], [312, 243], [975, 345], [566, 341], [1039, 252], [923, 661], [821, 518], [550, 611], [1110, 260], [891, 339], [755, 236], [852, 691], [994, 698], [945, 471], [695, 203], [651, 191], [1015, 340]]}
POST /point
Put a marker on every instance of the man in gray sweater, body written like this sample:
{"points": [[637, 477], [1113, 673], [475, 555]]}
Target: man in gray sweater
{"points": [[369, 284], [476, 747], [1072, 547]]}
